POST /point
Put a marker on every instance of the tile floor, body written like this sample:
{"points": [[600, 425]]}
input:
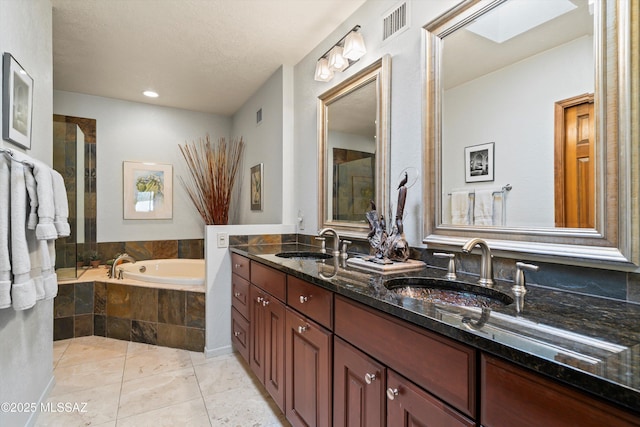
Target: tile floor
{"points": [[129, 384]]}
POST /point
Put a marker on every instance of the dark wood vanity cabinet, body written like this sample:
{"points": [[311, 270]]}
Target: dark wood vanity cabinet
{"points": [[359, 386], [309, 352], [513, 396], [240, 285]]}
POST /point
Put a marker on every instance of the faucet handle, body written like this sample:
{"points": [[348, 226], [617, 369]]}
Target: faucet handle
{"points": [[519, 280], [323, 242], [343, 253], [451, 268]]}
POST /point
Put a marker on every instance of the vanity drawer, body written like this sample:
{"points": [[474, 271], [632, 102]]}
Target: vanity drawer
{"points": [[310, 300], [439, 365], [240, 266], [270, 280], [240, 295], [240, 334]]}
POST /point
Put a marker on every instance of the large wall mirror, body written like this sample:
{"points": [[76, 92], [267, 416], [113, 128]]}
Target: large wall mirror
{"points": [[353, 135], [529, 139]]}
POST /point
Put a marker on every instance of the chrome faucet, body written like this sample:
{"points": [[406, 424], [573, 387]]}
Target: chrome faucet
{"points": [[519, 288], [336, 239], [486, 267], [123, 257]]}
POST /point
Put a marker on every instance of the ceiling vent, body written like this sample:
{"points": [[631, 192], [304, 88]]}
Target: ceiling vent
{"points": [[395, 20]]}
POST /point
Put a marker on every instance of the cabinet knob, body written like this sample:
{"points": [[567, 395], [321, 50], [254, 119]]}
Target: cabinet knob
{"points": [[369, 378], [237, 294], [236, 266], [236, 334], [265, 302], [303, 299], [302, 329], [259, 299], [392, 393]]}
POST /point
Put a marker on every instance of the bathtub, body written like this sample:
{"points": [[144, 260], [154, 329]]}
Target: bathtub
{"points": [[167, 271]]}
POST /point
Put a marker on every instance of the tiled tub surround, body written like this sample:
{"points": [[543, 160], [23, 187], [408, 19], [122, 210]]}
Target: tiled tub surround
{"points": [[615, 375], [130, 310]]}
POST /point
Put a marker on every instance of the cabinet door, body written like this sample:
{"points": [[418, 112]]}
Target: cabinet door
{"points": [[514, 396], [274, 349], [358, 388], [308, 372], [409, 405], [257, 328]]}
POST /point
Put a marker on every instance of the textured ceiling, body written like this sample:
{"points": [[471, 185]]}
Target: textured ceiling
{"points": [[201, 55]]}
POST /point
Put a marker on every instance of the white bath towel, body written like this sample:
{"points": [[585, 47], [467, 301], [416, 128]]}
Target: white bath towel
{"points": [[30, 182], [49, 276], [460, 207], [45, 230], [61, 204], [23, 291], [5, 260], [483, 208]]}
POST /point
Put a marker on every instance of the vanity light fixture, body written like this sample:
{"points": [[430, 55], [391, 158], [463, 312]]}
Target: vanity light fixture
{"points": [[150, 94], [341, 56]]}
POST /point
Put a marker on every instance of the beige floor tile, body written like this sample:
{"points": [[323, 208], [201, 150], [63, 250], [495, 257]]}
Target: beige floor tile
{"points": [[81, 352], [59, 347], [198, 358], [192, 413], [158, 391], [101, 407], [245, 406], [88, 375], [137, 347], [141, 364], [222, 373]]}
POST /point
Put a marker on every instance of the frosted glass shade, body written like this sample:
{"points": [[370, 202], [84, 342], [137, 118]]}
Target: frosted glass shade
{"points": [[323, 72], [354, 46], [337, 62]]}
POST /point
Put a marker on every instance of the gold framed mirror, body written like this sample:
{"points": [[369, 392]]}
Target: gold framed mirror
{"points": [[475, 124], [353, 149]]}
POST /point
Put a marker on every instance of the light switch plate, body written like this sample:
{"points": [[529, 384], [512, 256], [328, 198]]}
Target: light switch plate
{"points": [[223, 240]]}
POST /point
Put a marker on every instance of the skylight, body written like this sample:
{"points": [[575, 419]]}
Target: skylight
{"points": [[518, 16]]}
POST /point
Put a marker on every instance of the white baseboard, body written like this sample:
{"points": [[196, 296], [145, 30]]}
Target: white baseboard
{"points": [[220, 351]]}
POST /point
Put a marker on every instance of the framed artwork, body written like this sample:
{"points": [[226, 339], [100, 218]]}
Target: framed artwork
{"points": [[148, 190], [478, 162], [17, 102], [257, 176]]}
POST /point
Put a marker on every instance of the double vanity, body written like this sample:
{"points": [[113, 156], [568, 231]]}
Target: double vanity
{"points": [[335, 345]]}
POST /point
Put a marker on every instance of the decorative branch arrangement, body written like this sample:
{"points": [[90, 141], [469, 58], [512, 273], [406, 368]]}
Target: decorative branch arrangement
{"points": [[213, 168]]}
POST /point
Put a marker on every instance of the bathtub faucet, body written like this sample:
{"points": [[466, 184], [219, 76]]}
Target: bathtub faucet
{"points": [[118, 260]]}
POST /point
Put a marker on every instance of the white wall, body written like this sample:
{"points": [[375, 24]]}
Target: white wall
{"points": [[265, 143], [141, 132], [519, 119], [26, 337], [406, 104]]}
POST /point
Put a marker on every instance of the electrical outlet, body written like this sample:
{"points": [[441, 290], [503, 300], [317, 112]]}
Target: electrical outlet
{"points": [[223, 240], [300, 219]]}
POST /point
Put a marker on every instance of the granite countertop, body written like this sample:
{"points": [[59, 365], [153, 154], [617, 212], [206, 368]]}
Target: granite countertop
{"points": [[587, 342]]}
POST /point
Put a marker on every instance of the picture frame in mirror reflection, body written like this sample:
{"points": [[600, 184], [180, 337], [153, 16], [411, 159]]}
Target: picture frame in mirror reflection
{"points": [[257, 177], [17, 103], [148, 190], [479, 162]]}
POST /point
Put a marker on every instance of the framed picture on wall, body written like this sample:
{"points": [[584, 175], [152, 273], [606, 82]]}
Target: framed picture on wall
{"points": [[257, 176], [17, 102], [148, 190], [478, 162]]}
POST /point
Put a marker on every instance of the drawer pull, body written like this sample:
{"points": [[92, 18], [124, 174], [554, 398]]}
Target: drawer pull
{"points": [[302, 329], [237, 294], [265, 302], [369, 378], [392, 393], [303, 299]]}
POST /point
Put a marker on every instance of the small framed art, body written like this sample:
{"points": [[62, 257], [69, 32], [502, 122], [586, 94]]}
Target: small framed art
{"points": [[478, 161], [257, 176], [148, 190], [17, 102]]}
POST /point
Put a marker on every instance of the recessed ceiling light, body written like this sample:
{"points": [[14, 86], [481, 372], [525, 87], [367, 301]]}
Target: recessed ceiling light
{"points": [[150, 94], [515, 17]]}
